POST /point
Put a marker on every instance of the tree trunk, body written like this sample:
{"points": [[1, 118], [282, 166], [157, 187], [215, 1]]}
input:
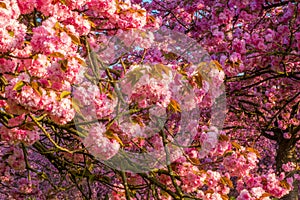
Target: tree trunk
{"points": [[286, 152], [294, 194]]}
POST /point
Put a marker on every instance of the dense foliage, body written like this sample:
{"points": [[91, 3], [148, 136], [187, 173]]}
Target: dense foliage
{"points": [[108, 99]]}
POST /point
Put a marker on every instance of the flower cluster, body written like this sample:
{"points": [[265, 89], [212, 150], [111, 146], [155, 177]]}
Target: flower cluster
{"points": [[99, 145], [60, 59]]}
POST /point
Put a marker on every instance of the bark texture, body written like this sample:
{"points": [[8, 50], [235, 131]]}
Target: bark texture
{"points": [[286, 152]]}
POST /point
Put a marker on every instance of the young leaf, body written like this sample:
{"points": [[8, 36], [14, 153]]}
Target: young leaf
{"points": [[80, 61], [284, 184], [63, 2], [36, 88], [170, 56], [265, 195], [28, 126], [11, 33], [227, 181], [174, 106], [224, 197], [223, 137], [76, 106], [198, 79], [74, 39], [216, 64], [64, 94], [57, 55], [236, 145], [195, 161], [64, 65], [3, 5], [111, 135], [228, 153], [250, 149], [19, 85], [138, 120], [162, 68], [57, 26], [151, 18]]}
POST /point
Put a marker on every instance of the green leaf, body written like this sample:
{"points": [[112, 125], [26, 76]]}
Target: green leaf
{"points": [[64, 94], [63, 2], [160, 68], [228, 153], [11, 33], [76, 106], [134, 77], [19, 85], [170, 56]]}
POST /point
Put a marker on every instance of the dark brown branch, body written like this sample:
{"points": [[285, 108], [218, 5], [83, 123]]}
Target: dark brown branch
{"points": [[283, 3]]}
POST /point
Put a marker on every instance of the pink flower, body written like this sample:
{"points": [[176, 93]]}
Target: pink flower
{"points": [[26, 6], [219, 35], [16, 160], [94, 104], [290, 166], [282, 29], [62, 111], [209, 141], [257, 192], [102, 7], [38, 66], [244, 195], [131, 19], [100, 146], [297, 36], [270, 35], [287, 135], [9, 10], [12, 35], [17, 135], [261, 45], [7, 65], [235, 57], [239, 46]]}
